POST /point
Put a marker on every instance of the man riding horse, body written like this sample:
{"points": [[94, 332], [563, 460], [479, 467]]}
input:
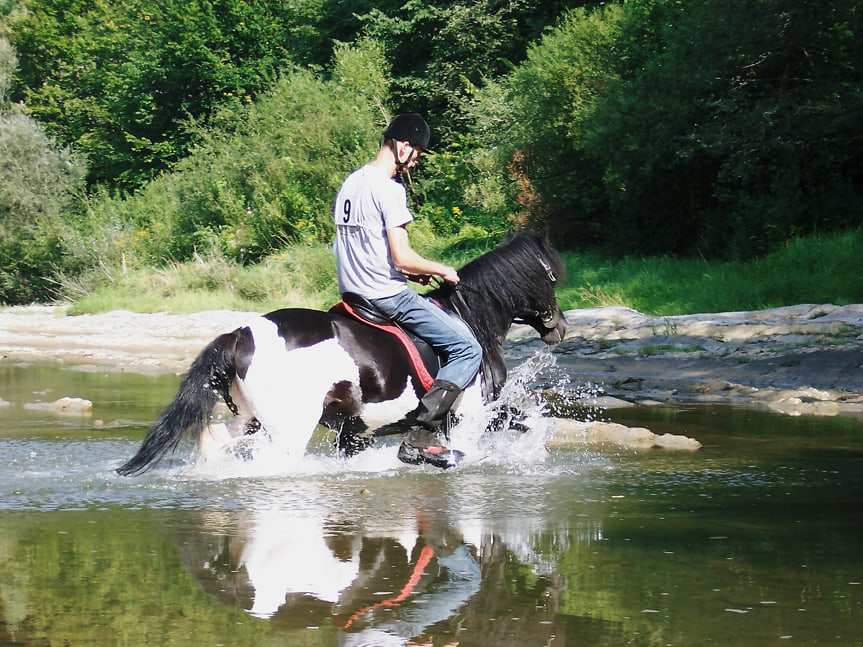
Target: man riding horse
{"points": [[283, 373], [375, 260]]}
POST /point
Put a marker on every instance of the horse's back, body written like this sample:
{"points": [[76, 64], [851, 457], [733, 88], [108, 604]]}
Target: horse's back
{"points": [[305, 360], [301, 327]]}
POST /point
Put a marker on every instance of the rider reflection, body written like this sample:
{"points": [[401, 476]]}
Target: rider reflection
{"points": [[440, 580], [398, 588]]}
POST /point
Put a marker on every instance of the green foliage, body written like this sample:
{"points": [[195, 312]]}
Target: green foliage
{"points": [[663, 127], [726, 141], [298, 276], [121, 80], [640, 127], [815, 269], [38, 180], [118, 80], [537, 116], [266, 177], [462, 44], [8, 65], [455, 190]]}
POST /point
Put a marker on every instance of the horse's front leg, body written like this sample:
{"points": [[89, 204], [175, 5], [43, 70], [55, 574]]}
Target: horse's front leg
{"points": [[352, 436], [342, 408], [508, 418]]}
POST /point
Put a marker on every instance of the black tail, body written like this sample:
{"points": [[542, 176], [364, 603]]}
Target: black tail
{"points": [[208, 379]]}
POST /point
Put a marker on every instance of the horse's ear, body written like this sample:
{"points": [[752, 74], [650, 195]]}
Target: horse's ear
{"points": [[510, 234], [546, 234]]}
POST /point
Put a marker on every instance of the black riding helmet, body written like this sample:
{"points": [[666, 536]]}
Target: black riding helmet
{"points": [[409, 127]]}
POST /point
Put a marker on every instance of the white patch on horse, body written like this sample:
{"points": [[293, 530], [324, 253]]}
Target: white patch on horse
{"points": [[377, 414], [285, 389], [288, 554]]}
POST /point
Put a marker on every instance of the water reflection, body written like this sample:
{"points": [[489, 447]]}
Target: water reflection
{"points": [[751, 540], [398, 587]]}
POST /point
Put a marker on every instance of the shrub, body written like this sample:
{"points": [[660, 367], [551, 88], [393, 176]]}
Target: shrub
{"points": [[267, 176], [37, 182]]}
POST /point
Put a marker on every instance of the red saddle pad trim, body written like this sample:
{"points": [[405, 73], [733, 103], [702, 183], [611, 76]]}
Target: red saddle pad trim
{"points": [[422, 373]]}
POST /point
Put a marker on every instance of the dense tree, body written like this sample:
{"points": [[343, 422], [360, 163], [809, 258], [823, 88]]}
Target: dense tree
{"points": [[38, 181], [441, 51], [664, 127], [118, 80], [743, 131], [642, 126], [266, 177]]}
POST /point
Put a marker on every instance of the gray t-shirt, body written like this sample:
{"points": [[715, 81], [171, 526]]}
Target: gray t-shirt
{"points": [[368, 204]]}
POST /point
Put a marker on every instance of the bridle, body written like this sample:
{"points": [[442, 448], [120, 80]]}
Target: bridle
{"points": [[549, 318], [549, 272]]}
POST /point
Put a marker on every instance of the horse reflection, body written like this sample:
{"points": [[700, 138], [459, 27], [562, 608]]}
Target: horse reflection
{"points": [[384, 588]]}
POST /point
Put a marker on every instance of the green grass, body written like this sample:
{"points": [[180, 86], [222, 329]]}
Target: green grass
{"points": [[818, 269], [299, 276]]}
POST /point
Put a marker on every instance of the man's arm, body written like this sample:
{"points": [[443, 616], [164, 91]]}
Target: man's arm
{"points": [[413, 264]]}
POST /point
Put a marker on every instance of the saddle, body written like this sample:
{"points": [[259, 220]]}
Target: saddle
{"points": [[423, 357]]}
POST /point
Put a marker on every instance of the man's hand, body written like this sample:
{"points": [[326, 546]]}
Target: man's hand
{"points": [[422, 279], [412, 264], [449, 274]]}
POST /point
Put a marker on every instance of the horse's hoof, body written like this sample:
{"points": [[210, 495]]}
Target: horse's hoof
{"points": [[435, 455]]}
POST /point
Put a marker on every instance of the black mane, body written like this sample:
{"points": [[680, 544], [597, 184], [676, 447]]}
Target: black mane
{"points": [[509, 282]]}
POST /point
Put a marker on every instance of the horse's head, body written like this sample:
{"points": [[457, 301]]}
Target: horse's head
{"points": [[550, 324], [514, 282], [546, 317], [541, 269], [517, 280]]}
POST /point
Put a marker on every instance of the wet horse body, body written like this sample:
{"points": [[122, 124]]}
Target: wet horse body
{"points": [[287, 371], [351, 377]]}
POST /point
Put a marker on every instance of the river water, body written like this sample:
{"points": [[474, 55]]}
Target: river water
{"points": [[753, 540]]}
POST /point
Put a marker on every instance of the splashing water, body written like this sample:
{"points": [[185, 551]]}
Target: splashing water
{"points": [[509, 432], [519, 420]]}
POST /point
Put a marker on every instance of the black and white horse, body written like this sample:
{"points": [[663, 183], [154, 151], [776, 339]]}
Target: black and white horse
{"points": [[284, 372]]}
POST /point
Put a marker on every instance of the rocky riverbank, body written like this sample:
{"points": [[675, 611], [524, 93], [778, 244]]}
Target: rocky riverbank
{"points": [[804, 359]]}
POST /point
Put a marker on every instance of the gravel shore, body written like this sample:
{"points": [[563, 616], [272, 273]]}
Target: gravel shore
{"points": [[804, 359]]}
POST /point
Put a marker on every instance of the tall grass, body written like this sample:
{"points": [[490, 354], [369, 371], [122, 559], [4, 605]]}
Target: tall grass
{"points": [[818, 269], [299, 276]]}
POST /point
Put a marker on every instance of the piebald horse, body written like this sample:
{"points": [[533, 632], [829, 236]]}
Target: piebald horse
{"points": [[285, 372]]}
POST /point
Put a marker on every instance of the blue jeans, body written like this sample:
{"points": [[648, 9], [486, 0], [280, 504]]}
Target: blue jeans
{"points": [[446, 333]]}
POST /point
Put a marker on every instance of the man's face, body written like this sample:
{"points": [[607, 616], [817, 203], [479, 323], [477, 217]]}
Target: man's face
{"points": [[409, 155]]}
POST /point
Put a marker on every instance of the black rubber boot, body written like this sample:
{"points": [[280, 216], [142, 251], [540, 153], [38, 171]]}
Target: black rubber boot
{"points": [[421, 445], [435, 404], [424, 442]]}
